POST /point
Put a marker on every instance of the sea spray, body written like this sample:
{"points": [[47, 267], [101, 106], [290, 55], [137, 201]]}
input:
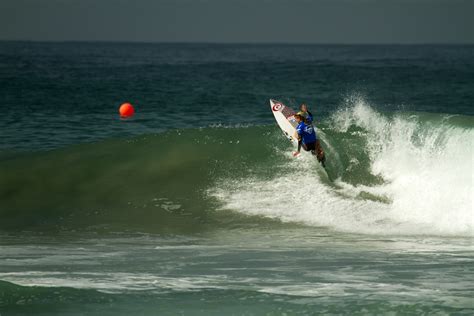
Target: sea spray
{"points": [[426, 164]]}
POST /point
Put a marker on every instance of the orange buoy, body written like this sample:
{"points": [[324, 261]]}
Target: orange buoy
{"points": [[126, 110]]}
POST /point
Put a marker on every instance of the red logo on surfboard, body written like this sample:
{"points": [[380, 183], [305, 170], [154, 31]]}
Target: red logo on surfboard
{"points": [[277, 107]]}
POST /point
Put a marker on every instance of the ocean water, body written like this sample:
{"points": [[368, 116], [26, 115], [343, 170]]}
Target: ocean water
{"points": [[195, 206]]}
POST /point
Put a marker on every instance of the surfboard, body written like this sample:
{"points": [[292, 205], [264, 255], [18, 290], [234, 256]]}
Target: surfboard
{"points": [[285, 117]]}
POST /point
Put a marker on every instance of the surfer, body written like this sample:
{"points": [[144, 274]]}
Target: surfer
{"points": [[307, 138], [308, 119]]}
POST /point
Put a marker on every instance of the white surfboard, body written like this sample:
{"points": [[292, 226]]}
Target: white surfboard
{"points": [[285, 117]]}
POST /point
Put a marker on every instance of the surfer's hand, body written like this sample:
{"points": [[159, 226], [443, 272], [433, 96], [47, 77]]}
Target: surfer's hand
{"points": [[296, 153]]}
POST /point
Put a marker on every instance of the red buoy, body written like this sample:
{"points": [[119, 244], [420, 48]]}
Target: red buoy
{"points": [[126, 110]]}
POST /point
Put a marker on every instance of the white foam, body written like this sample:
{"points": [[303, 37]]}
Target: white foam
{"points": [[428, 173], [428, 168], [120, 282]]}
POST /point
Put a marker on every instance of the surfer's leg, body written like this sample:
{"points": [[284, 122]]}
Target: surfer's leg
{"points": [[320, 153], [309, 147]]}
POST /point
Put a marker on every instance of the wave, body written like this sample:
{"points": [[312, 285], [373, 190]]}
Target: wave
{"points": [[398, 173], [16, 298], [403, 173], [151, 183]]}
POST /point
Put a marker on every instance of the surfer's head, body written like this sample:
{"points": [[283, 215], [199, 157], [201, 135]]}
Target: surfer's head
{"points": [[299, 117]]}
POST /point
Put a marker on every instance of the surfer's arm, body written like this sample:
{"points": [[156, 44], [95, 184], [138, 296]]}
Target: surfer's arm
{"points": [[310, 117], [298, 137]]}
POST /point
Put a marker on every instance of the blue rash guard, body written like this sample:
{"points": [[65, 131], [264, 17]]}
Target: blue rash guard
{"points": [[307, 133]]}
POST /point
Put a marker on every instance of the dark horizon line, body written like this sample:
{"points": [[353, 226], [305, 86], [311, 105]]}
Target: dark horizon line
{"points": [[237, 43]]}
